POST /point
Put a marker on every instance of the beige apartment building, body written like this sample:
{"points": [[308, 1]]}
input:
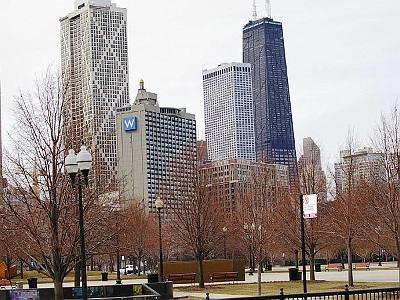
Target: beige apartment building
{"points": [[230, 178]]}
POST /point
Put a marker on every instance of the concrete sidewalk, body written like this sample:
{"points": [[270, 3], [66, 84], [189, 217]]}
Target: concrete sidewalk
{"points": [[203, 295], [281, 274]]}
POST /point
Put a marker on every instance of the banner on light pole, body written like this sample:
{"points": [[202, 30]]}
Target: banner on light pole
{"points": [[310, 206]]}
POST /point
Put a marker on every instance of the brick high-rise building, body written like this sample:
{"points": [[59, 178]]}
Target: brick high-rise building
{"points": [[312, 178], [94, 57], [230, 178], [3, 181]]}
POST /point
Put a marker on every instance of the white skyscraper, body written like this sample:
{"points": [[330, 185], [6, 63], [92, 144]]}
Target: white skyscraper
{"points": [[228, 106], [94, 56]]}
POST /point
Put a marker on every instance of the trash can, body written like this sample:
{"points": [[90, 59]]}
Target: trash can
{"points": [[104, 276], [32, 282], [317, 267], [293, 274], [269, 267], [299, 275], [152, 277]]}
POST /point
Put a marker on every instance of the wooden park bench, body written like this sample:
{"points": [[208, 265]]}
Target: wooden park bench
{"points": [[336, 267], [182, 278], [362, 265], [224, 276], [5, 283]]}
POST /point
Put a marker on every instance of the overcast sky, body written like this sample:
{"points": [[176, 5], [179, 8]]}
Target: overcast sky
{"points": [[343, 56]]}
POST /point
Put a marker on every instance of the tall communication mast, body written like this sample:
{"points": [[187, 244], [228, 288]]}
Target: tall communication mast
{"points": [[268, 9], [254, 10]]}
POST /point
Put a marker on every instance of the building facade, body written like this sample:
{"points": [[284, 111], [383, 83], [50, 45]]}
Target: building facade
{"points": [[228, 110], [3, 181], [230, 178], [312, 177], [94, 57], [354, 167], [156, 152], [264, 49]]}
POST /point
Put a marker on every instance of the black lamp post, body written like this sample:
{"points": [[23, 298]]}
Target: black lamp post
{"points": [[118, 281], [224, 230], [159, 207], [380, 257], [250, 229], [303, 244], [78, 167]]}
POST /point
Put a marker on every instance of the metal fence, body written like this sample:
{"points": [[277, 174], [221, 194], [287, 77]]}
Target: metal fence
{"points": [[346, 294], [144, 297]]}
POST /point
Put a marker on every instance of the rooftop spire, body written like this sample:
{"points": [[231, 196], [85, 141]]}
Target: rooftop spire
{"points": [[141, 82], [254, 10], [268, 9]]}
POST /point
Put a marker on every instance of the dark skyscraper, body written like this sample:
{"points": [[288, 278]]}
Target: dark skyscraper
{"points": [[264, 49]]}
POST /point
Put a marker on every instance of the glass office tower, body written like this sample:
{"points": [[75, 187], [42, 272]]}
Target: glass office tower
{"points": [[264, 49]]}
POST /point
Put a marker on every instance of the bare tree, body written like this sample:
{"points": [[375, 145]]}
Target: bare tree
{"points": [[255, 219], [40, 200], [197, 220], [344, 213], [139, 232], [382, 193], [9, 241], [312, 181]]}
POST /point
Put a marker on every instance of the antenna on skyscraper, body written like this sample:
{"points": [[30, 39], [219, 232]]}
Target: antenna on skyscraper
{"points": [[254, 10], [268, 9]]}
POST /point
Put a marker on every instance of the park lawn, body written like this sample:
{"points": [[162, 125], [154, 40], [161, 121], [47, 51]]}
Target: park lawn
{"points": [[91, 275], [273, 288]]}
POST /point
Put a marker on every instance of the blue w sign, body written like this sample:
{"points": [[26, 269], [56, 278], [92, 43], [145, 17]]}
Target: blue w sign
{"points": [[130, 123]]}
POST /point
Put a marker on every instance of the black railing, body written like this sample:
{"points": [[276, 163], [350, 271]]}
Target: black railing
{"points": [[346, 294], [144, 297]]}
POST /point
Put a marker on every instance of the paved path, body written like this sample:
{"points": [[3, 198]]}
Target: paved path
{"points": [[280, 274], [203, 295], [359, 276]]}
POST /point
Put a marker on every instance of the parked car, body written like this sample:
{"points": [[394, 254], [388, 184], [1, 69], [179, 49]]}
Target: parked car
{"points": [[129, 269]]}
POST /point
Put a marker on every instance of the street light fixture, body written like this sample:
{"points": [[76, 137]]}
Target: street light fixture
{"points": [[224, 230], [77, 165], [118, 280], [250, 230], [159, 206]]}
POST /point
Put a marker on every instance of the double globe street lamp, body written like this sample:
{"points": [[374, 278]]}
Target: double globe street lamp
{"points": [[159, 206], [78, 167]]}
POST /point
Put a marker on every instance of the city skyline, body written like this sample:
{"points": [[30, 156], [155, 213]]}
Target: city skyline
{"points": [[315, 68]]}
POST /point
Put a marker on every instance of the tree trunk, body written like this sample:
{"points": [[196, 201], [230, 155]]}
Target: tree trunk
{"points": [[21, 268], [8, 266], [312, 264], [201, 273], [77, 277], [58, 289], [259, 278], [398, 256], [296, 253], [350, 263], [92, 264]]}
